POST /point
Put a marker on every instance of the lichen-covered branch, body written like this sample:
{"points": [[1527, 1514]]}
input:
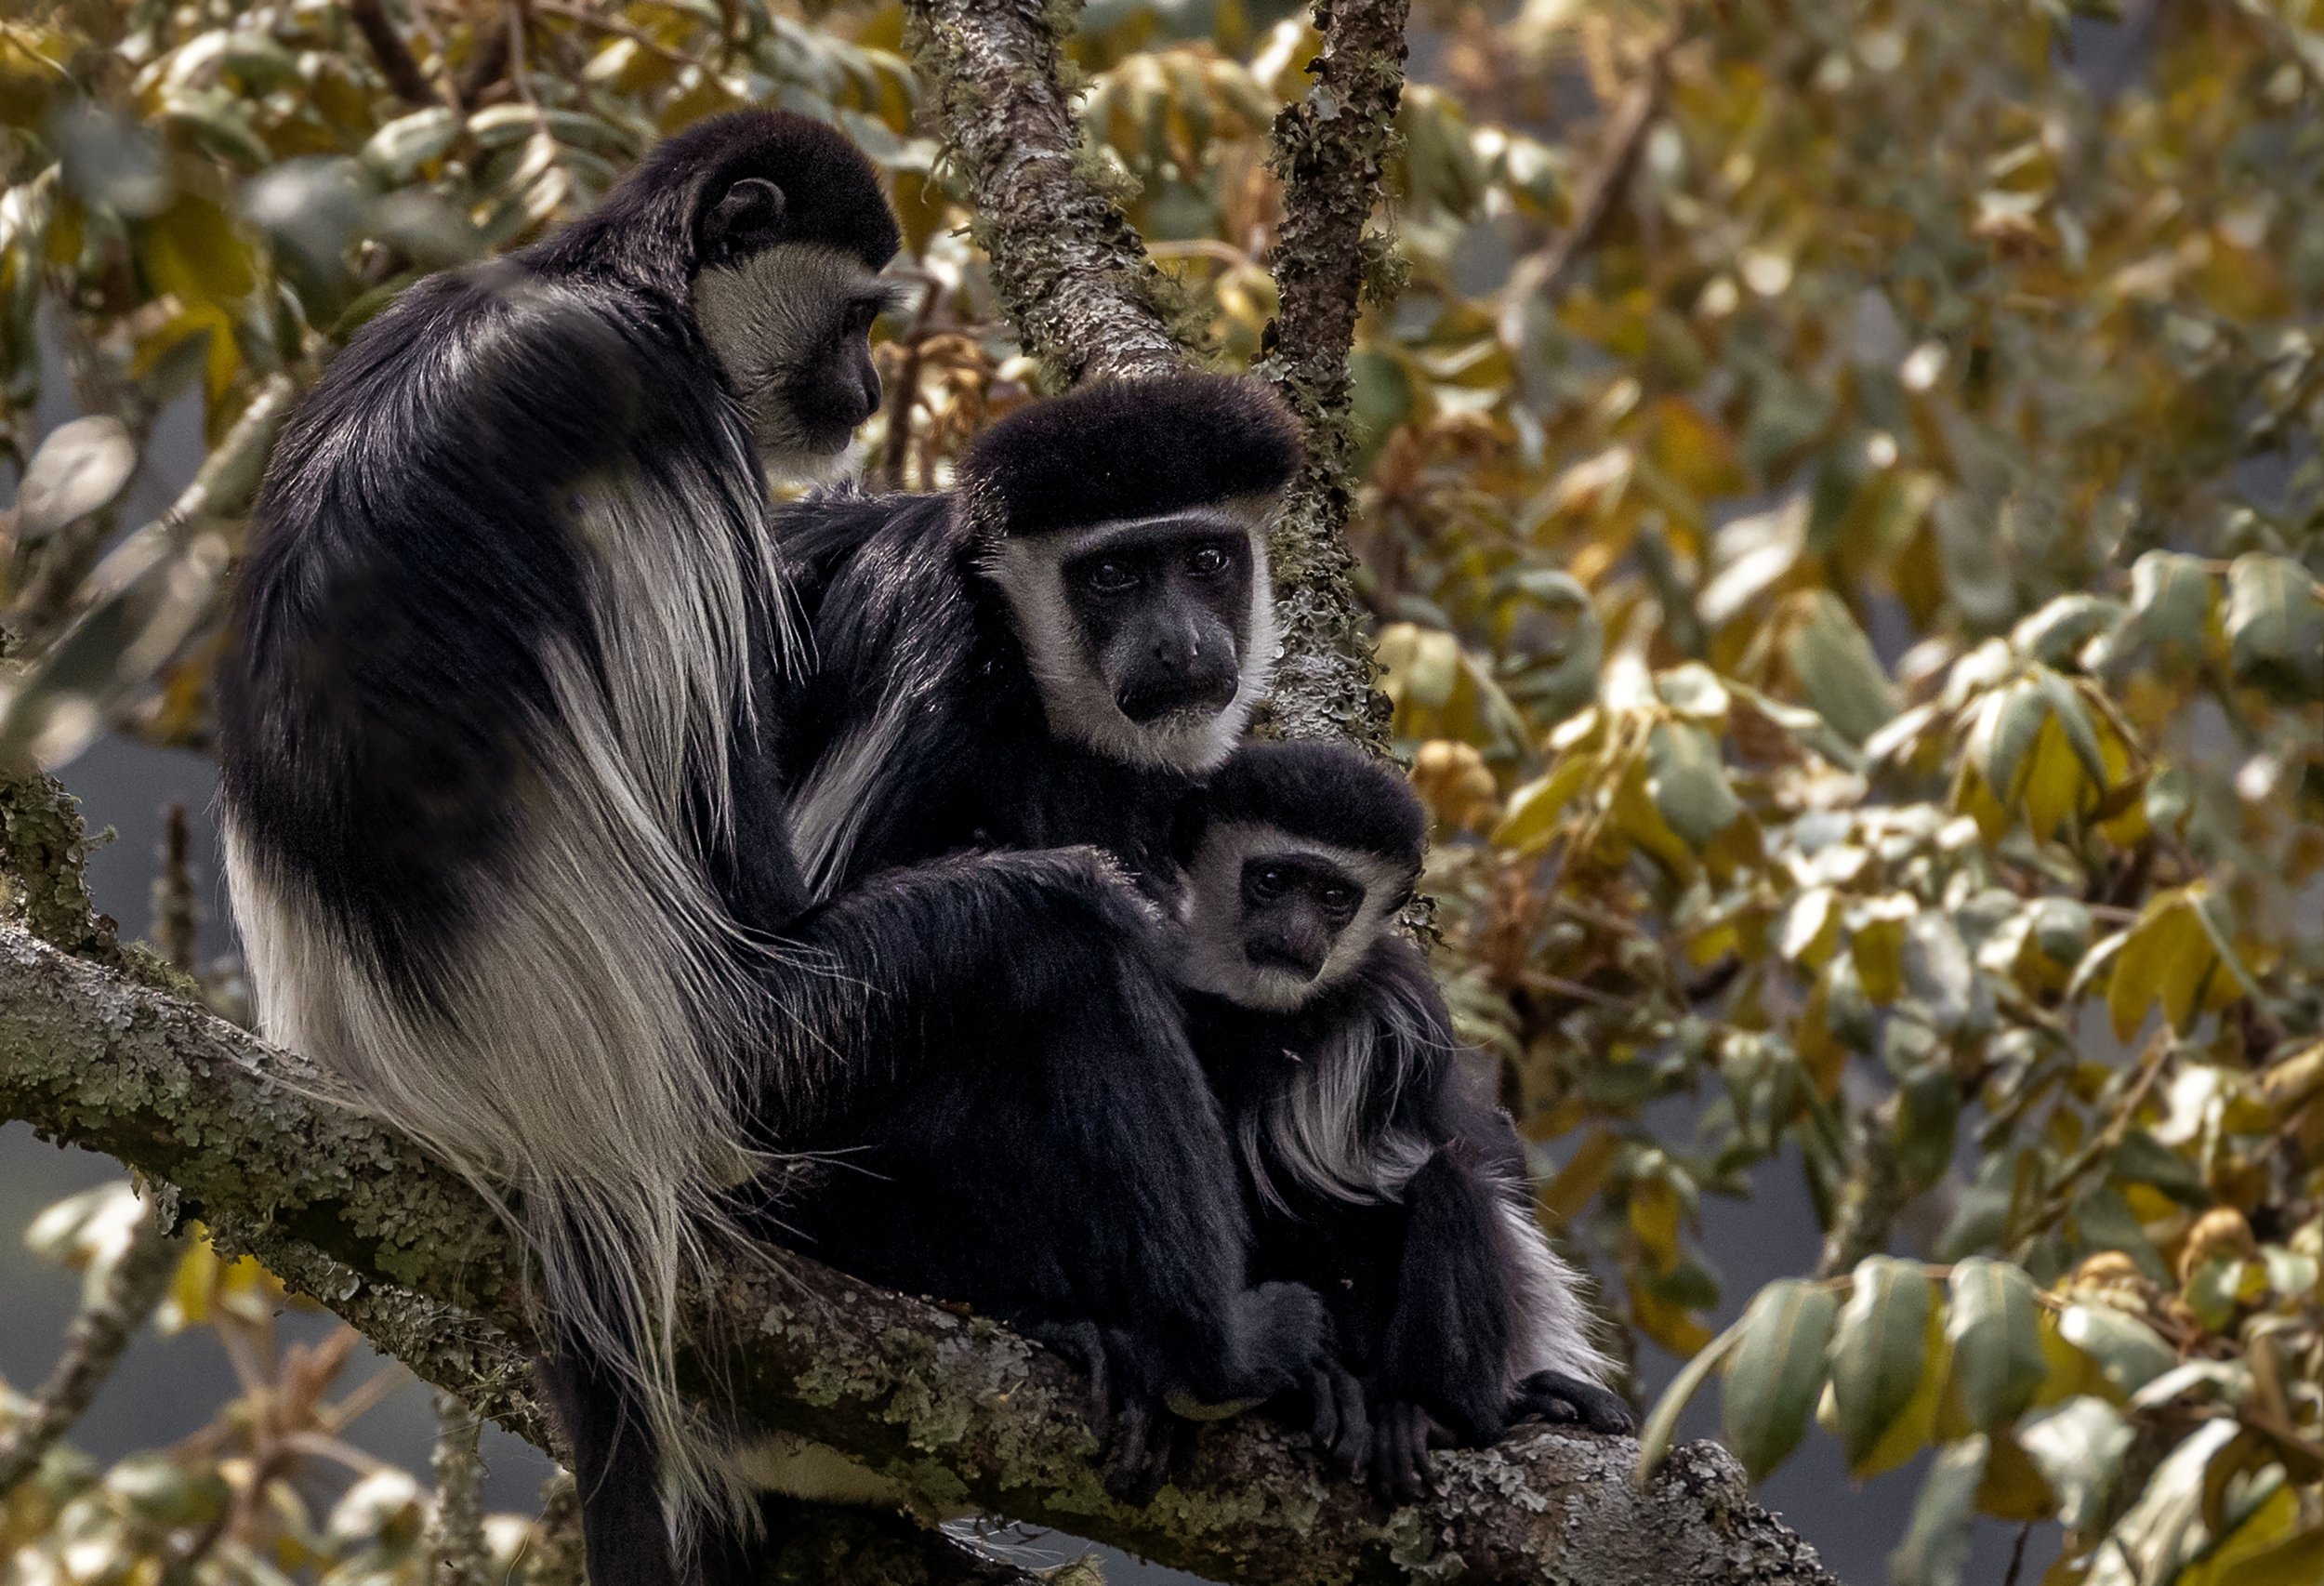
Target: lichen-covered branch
{"points": [[1329, 149], [92, 1348], [955, 1410], [456, 1533], [1086, 298]]}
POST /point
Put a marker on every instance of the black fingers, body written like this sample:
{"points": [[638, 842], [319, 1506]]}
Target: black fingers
{"points": [[1572, 1401], [1399, 1461]]}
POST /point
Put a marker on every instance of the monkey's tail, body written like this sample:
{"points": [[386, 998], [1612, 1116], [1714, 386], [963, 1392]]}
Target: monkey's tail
{"points": [[579, 1050]]}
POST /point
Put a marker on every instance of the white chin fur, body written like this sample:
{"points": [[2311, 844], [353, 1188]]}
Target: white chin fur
{"points": [[1073, 695], [1212, 912]]}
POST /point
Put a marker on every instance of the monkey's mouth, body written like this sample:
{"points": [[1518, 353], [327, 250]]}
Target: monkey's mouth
{"points": [[1176, 701]]}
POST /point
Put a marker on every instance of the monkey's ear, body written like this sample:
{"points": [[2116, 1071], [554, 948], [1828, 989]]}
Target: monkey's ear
{"points": [[747, 216]]}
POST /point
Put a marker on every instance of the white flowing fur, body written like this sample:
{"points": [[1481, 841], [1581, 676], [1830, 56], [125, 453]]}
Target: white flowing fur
{"points": [[591, 1019]]}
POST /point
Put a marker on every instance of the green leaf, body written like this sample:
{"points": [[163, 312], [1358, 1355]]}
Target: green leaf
{"points": [[2140, 1158], [2276, 626], [399, 148], [2128, 1352], [2170, 601], [1996, 1332], [2054, 634], [1935, 1550], [1777, 1372], [1688, 784], [80, 469], [1837, 666], [1879, 1351], [1662, 1425], [2077, 1448], [1928, 1117], [2000, 744]]}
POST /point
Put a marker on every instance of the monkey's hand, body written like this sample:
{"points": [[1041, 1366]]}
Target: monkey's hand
{"points": [[1571, 1401], [1402, 1432], [1139, 1439]]}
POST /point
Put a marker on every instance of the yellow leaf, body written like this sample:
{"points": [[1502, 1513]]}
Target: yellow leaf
{"points": [[1653, 1218], [2055, 781], [1534, 809], [1583, 1175], [1876, 941], [2167, 956]]}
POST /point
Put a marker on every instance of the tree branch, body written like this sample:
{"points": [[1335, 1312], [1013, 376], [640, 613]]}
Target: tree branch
{"points": [[393, 56], [1087, 301], [93, 1345], [1329, 149], [956, 1412]]}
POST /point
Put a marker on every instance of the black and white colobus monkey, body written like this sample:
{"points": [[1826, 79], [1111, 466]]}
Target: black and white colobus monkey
{"points": [[1054, 652], [1376, 1175], [509, 857]]}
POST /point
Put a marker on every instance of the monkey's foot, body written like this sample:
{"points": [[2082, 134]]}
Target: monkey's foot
{"points": [[1571, 1401]]}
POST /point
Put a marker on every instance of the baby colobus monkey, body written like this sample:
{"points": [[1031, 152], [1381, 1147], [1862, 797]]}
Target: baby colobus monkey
{"points": [[1054, 652], [509, 855], [1376, 1175]]}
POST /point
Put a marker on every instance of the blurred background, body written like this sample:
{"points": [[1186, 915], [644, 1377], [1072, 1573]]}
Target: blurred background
{"points": [[1839, 517]]}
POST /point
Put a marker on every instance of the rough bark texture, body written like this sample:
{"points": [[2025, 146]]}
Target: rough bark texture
{"points": [[1329, 149], [1087, 301], [956, 1411]]}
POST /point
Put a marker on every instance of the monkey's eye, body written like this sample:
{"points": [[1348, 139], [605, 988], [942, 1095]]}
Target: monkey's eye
{"points": [[1111, 577], [860, 316], [1338, 900], [1207, 561], [1267, 885]]}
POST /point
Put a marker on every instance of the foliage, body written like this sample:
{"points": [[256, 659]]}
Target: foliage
{"points": [[1850, 600], [270, 1490]]}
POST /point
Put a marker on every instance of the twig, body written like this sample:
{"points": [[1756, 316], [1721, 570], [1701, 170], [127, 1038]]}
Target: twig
{"points": [[488, 59], [1544, 273], [175, 918], [455, 1537], [2017, 1554], [1874, 1193], [393, 56], [616, 27], [93, 1346]]}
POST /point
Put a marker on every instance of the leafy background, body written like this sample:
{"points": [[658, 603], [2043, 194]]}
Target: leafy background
{"points": [[1841, 520]]}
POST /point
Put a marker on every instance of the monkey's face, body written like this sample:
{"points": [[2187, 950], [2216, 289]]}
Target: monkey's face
{"points": [[1273, 920], [790, 324], [1151, 640]]}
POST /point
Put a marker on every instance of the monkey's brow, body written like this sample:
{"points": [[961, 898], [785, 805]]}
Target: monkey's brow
{"points": [[888, 296]]}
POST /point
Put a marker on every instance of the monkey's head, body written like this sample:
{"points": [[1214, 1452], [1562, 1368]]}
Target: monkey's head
{"points": [[771, 230], [1126, 526], [1298, 856]]}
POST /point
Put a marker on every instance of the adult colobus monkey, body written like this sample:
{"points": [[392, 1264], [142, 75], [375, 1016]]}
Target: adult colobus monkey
{"points": [[1055, 652], [1376, 1175], [509, 858]]}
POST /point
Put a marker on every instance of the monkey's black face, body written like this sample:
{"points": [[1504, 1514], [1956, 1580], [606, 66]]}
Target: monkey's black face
{"points": [[1270, 919], [1150, 640], [1166, 612], [1295, 905]]}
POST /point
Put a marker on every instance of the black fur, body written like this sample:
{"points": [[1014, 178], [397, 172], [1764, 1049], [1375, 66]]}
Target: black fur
{"points": [[1132, 449], [1423, 1294], [902, 606], [987, 1040], [1320, 791]]}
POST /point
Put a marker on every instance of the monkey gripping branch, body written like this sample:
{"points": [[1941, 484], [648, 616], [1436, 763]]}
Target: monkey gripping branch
{"points": [[95, 1047]]}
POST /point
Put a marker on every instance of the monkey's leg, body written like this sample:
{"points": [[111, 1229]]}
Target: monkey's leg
{"points": [[616, 1470]]}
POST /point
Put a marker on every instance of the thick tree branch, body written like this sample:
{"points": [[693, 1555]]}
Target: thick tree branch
{"points": [[393, 56], [1087, 301], [955, 1410], [1329, 149]]}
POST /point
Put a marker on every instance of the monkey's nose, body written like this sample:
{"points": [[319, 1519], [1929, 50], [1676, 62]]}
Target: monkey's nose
{"points": [[870, 394]]}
